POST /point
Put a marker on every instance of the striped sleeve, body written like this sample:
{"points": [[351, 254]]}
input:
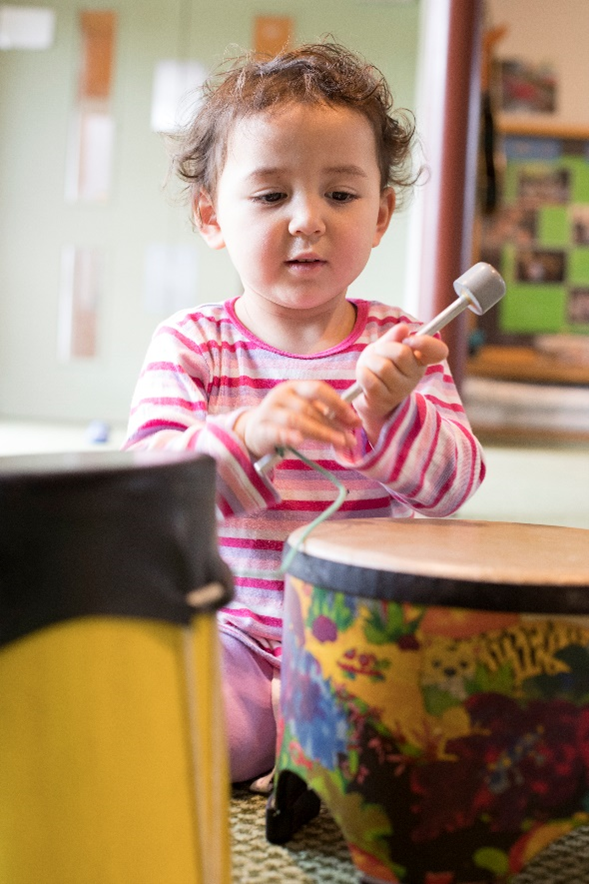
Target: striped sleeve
{"points": [[170, 409]]}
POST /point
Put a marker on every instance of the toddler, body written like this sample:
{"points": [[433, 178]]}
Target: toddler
{"points": [[294, 165]]}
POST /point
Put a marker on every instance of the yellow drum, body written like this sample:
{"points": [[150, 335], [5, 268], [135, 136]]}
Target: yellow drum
{"points": [[113, 766], [435, 694]]}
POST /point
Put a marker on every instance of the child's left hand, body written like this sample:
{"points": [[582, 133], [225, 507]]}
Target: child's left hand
{"points": [[389, 369]]}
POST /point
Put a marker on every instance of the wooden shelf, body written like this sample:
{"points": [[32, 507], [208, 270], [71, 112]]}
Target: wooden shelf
{"points": [[526, 365], [541, 127]]}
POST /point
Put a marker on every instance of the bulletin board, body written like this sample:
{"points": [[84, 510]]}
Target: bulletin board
{"points": [[538, 236]]}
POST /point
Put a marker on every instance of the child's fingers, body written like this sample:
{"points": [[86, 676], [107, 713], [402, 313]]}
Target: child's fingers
{"points": [[292, 428], [327, 404], [427, 349], [322, 429], [390, 368], [389, 359], [397, 333], [295, 411]]}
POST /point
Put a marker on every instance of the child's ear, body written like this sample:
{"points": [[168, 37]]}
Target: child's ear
{"points": [[206, 221], [385, 213]]}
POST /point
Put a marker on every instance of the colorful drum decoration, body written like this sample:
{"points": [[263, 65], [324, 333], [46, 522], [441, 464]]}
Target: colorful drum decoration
{"points": [[113, 766], [435, 694]]}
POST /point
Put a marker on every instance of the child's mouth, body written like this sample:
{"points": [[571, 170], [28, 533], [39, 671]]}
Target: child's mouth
{"points": [[305, 262]]}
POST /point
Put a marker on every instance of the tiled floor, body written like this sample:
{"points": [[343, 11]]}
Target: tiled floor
{"points": [[546, 485]]}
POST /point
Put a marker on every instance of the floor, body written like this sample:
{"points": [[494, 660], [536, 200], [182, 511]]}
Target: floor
{"points": [[40, 437], [546, 484]]}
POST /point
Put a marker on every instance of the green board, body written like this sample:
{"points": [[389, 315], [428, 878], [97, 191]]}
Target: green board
{"points": [[539, 236]]}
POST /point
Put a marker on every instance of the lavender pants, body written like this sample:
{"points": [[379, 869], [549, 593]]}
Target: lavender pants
{"points": [[250, 725]]}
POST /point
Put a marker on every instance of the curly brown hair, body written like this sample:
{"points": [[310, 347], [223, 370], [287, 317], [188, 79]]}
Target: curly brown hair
{"points": [[315, 73]]}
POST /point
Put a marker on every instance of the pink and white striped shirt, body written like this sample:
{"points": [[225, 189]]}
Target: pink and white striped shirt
{"points": [[203, 367]]}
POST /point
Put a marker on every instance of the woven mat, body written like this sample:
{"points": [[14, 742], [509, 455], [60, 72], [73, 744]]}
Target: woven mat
{"points": [[318, 853]]}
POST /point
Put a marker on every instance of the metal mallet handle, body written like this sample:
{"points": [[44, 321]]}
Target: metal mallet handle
{"points": [[479, 289]]}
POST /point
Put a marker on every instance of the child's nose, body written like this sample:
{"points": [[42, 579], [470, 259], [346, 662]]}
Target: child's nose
{"points": [[307, 218]]}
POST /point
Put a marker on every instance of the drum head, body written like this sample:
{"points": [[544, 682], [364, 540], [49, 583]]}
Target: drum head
{"points": [[475, 564]]}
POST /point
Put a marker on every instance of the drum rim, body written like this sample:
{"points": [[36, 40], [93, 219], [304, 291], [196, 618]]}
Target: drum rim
{"points": [[442, 592], [115, 539], [323, 569], [64, 465]]}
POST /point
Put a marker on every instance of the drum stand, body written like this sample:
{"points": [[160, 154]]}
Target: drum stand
{"points": [[291, 806]]}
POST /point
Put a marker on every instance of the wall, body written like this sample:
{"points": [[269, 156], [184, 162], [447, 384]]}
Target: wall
{"points": [[553, 32], [38, 93]]}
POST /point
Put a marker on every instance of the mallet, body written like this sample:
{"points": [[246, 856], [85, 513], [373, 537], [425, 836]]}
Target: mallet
{"points": [[479, 289]]}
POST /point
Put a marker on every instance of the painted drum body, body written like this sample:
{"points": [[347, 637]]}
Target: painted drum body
{"points": [[113, 766], [435, 694]]}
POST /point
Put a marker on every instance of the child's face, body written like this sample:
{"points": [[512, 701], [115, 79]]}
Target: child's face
{"points": [[299, 204]]}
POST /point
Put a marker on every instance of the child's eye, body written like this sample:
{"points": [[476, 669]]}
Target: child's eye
{"points": [[273, 197], [341, 196]]}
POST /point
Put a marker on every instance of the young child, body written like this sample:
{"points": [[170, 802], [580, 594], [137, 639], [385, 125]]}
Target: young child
{"points": [[293, 164]]}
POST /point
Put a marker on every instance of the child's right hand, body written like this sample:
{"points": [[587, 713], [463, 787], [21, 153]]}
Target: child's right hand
{"points": [[389, 369], [295, 411]]}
